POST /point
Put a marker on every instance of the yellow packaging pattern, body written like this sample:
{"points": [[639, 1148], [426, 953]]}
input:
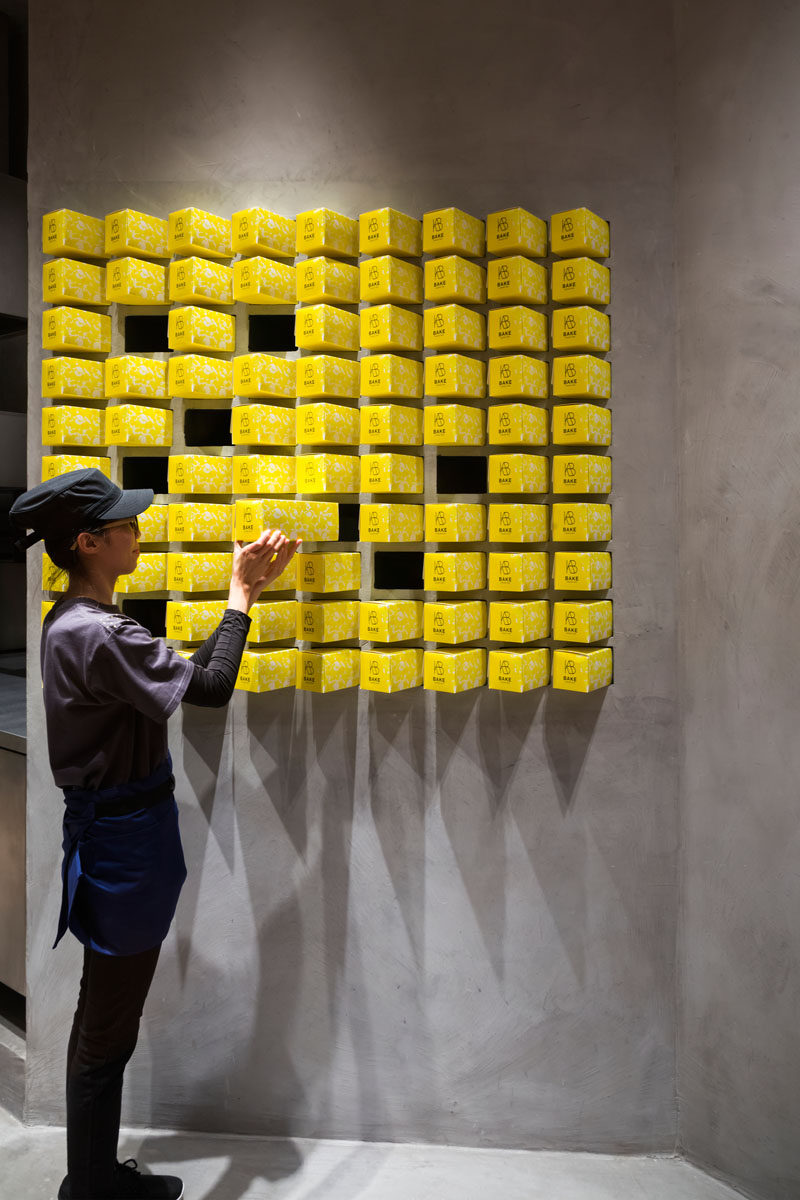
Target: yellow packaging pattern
{"points": [[199, 522], [581, 328], [130, 232], [193, 231], [257, 375], [390, 424], [516, 280], [262, 425], [390, 280], [73, 234], [272, 621], [455, 280], [328, 473], [264, 473], [76, 329], [135, 281], [390, 620], [69, 425], [388, 231], [264, 281], [323, 422], [581, 425], [581, 522], [519, 375], [391, 473], [322, 377], [267, 670], [517, 424], [193, 376], [579, 231], [451, 231], [193, 620], [517, 328], [519, 620], [259, 231], [390, 670], [582, 376], [335, 571], [518, 522], [327, 281], [195, 571], [199, 329], [455, 522], [311, 520], [327, 670], [327, 620], [388, 376], [582, 670], [580, 281], [390, 522], [200, 281], [516, 231], [458, 621], [519, 670], [150, 575], [323, 327], [453, 327], [581, 570], [72, 379], [454, 670], [138, 425], [387, 327], [448, 571], [454, 425], [519, 571], [454, 376], [52, 580], [192, 473], [59, 464], [582, 474], [67, 281], [134, 378], [323, 231], [153, 523], [518, 473], [583, 620]]}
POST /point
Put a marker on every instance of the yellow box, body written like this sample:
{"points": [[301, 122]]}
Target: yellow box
{"points": [[136, 281], [519, 670], [327, 620], [73, 234], [67, 281], [76, 329], [138, 425], [583, 620], [387, 327], [519, 620], [59, 464], [519, 571], [322, 377], [330, 572], [517, 328], [580, 281], [200, 281], [327, 281], [518, 522], [267, 670], [323, 327], [516, 231], [582, 377], [311, 520], [200, 329], [259, 231], [192, 473], [392, 473], [581, 328], [581, 522], [262, 280], [272, 621], [53, 579], [390, 620], [518, 375], [153, 523], [388, 376], [453, 327], [579, 231], [454, 571], [516, 280], [454, 376], [270, 473], [454, 621], [199, 571], [454, 670], [150, 575], [328, 473], [582, 670], [200, 522], [193, 231], [390, 522], [517, 424], [46, 606], [391, 670], [193, 620], [582, 474], [390, 424], [453, 279], [267, 375], [69, 425], [454, 425], [323, 231], [451, 231], [327, 670], [262, 425], [455, 522], [72, 379], [390, 280], [387, 231], [518, 473], [130, 232], [581, 570], [134, 378], [581, 425], [322, 422], [192, 376]]}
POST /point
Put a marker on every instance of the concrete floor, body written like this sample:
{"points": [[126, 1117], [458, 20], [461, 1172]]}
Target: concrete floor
{"points": [[226, 1168]]}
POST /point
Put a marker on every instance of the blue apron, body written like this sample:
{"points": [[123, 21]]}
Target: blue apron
{"points": [[121, 875]]}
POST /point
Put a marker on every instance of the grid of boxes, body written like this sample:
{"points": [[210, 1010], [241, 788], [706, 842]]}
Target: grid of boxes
{"points": [[390, 384]]}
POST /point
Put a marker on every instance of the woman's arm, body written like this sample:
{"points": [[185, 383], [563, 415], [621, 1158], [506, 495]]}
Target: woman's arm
{"points": [[216, 662]]}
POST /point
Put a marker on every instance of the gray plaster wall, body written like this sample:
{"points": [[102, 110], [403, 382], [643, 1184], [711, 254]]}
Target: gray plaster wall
{"points": [[450, 919]]}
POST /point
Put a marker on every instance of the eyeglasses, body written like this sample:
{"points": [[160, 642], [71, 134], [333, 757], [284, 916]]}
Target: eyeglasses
{"points": [[132, 522]]}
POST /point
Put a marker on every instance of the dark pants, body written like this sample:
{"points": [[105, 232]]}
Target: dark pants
{"points": [[104, 1034]]}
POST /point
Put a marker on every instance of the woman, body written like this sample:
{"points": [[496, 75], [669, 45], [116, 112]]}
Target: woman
{"points": [[109, 688]]}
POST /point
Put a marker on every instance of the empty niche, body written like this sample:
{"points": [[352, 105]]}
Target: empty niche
{"points": [[146, 472], [207, 427], [271, 332], [461, 473], [146, 334], [348, 522], [398, 570], [150, 613]]}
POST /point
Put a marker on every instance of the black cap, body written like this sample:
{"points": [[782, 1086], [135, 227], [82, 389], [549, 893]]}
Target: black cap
{"points": [[60, 508]]}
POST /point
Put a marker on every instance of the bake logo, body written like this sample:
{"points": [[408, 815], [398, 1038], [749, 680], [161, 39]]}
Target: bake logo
{"points": [[308, 571], [439, 374], [51, 279], [243, 228], [373, 228], [115, 231], [438, 421], [244, 671], [505, 620], [116, 422], [440, 521], [504, 572], [438, 671], [180, 276], [244, 472], [570, 471], [374, 423], [373, 275], [308, 421], [571, 621], [180, 325], [505, 374], [438, 621], [308, 229], [177, 570], [308, 472], [374, 471], [505, 521], [51, 375], [308, 671], [502, 227], [570, 372], [438, 324], [439, 275], [116, 276], [504, 671], [374, 376], [52, 229], [504, 325], [505, 471], [570, 524], [373, 523], [571, 573], [51, 424], [372, 621], [308, 621], [437, 228], [374, 671], [570, 325], [505, 421], [308, 278], [438, 570], [567, 228], [179, 227], [116, 375], [308, 324], [245, 281], [178, 522], [374, 326], [503, 275], [568, 278], [570, 669], [244, 372], [570, 421], [308, 375]]}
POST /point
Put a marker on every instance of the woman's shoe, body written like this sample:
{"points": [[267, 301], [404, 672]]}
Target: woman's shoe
{"points": [[132, 1185]]}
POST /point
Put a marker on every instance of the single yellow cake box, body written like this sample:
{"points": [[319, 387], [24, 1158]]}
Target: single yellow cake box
{"points": [[136, 281], [454, 621], [582, 377], [70, 425], [332, 571], [516, 231], [391, 670], [389, 327], [67, 281], [273, 474], [72, 379], [197, 330], [267, 670], [132, 377], [581, 425], [66, 329], [193, 231], [192, 376], [328, 670], [517, 425], [53, 579], [519, 522], [454, 327], [340, 473], [390, 424], [391, 522], [519, 670], [273, 621], [263, 425], [455, 522], [323, 327], [138, 425], [150, 575], [323, 231], [130, 232], [579, 232], [260, 375], [390, 280], [455, 280], [390, 620], [519, 375], [580, 281], [73, 234], [519, 620], [454, 670], [200, 281], [262, 280], [311, 520], [60, 464], [327, 620], [452, 231], [581, 329], [516, 280], [323, 377], [388, 231], [581, 570], [197, 522], [392, 473], [517, 328], [519, 473], [154, 523], [325, 280], [519, 571], [323, 422], [191, 473], [583, 670], [193, 620], [581, 522], [199, 571], [259, 231], [454, 425], [581, 474], [454, 571], [454, 376], [583, 620], [389, 377]]}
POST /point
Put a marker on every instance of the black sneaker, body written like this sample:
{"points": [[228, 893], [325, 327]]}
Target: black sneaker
{"points": [[132, 1185]]}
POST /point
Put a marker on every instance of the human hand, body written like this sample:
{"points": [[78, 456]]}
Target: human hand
{"points": [[257, 564]]}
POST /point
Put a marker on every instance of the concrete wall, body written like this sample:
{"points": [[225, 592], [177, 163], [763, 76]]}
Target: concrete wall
{"points": [[739, 256], [447, 919]]}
